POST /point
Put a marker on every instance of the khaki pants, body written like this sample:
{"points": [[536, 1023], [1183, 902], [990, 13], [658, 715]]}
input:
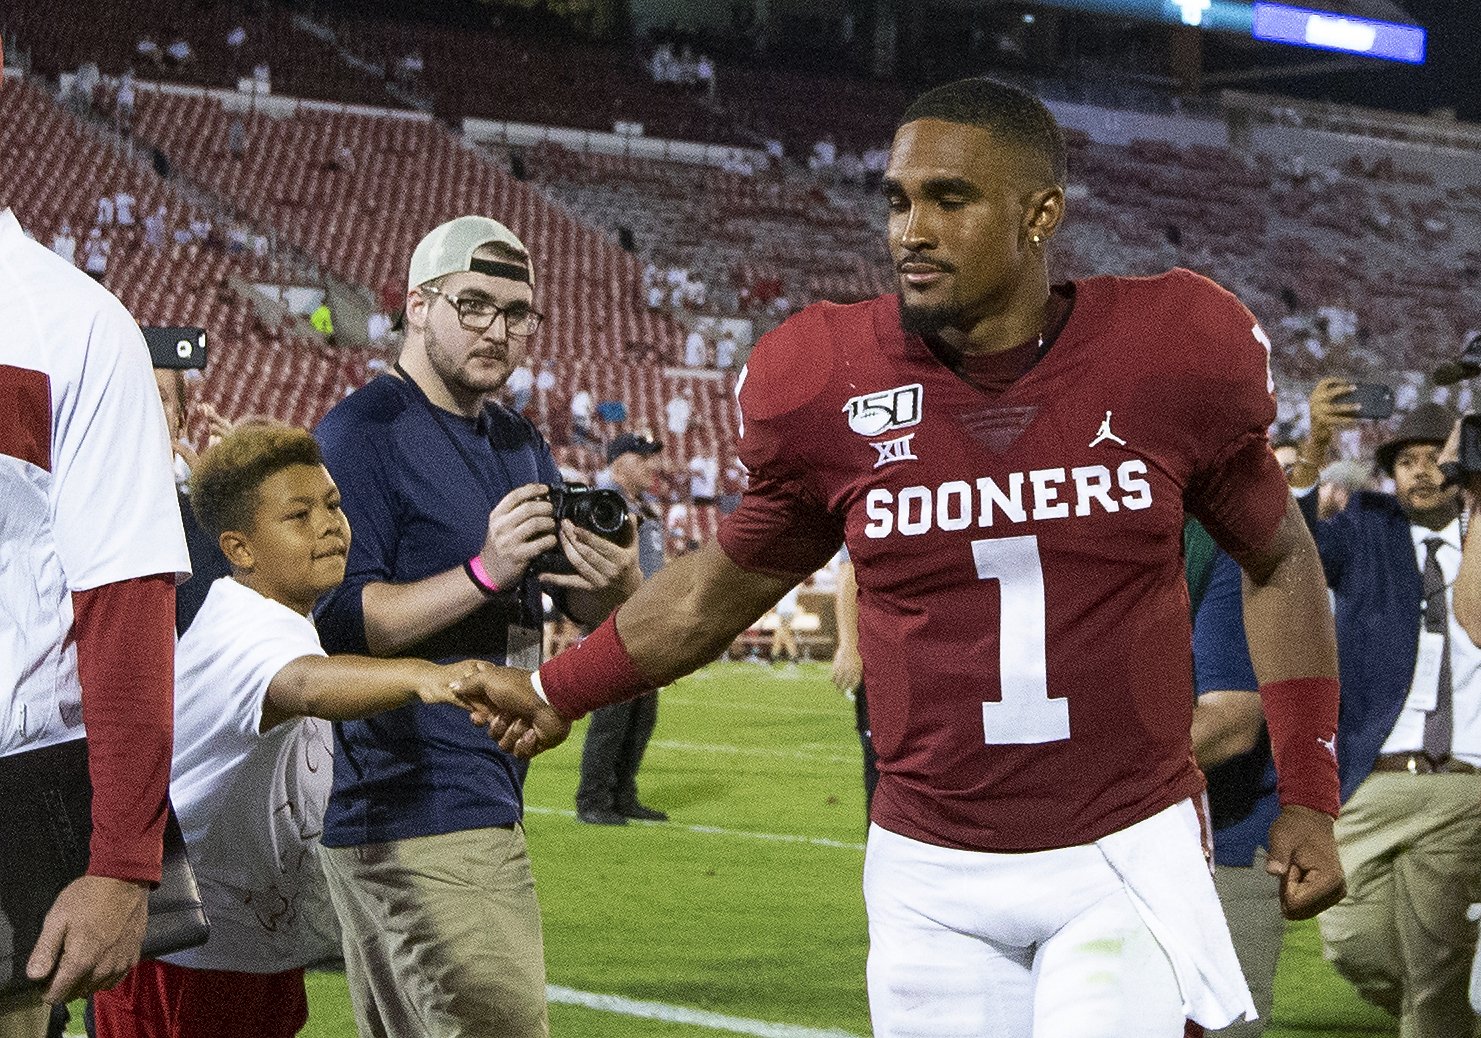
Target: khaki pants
{"points": [[24, 1016], [1251, 900], [1411, 848], [442, 936]]}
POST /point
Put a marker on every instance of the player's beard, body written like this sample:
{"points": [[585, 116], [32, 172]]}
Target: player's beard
{"points": [[928, 319]]}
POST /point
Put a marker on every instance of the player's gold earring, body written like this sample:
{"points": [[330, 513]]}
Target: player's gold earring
{"points": [[1035, 240]]}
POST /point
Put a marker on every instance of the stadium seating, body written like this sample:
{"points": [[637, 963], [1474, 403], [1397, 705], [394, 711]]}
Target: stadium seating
{"points": [[55, 170], [1388, 245]]}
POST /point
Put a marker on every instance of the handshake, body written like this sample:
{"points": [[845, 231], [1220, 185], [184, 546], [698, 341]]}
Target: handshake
{"points": [[503, 701]]}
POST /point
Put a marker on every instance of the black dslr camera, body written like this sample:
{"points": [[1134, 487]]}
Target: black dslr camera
{"points": [[603, 512], [1467, 366]]}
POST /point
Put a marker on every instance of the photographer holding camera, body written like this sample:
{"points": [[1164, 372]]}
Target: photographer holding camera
{"points": [[449, 496], [1410, 831], [618, 734]]}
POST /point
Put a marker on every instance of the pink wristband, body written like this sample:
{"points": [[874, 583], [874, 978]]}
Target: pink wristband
{"points": [[480, 576]]}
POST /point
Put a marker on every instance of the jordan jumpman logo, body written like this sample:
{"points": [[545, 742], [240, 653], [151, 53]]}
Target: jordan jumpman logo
{"points": [[1105, 433]]}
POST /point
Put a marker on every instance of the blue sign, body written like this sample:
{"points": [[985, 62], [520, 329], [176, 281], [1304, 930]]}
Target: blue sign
{"points": [[1324, 30]]}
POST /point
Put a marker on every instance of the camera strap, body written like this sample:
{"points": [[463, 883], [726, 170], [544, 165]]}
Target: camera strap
{"points": [[486, 419]]}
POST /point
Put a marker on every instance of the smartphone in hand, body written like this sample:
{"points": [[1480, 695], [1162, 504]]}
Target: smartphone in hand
{"points": [[1374, 399]]}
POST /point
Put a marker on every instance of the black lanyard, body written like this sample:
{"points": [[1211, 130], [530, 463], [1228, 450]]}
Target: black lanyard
{"points": [[440, 417]]}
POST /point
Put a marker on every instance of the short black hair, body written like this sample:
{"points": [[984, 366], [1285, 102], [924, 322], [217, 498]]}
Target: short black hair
{"points": [[224, 482], [1004, 110]]}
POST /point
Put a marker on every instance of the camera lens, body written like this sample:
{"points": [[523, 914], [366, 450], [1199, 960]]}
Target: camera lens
{"points": [[607, 513]]}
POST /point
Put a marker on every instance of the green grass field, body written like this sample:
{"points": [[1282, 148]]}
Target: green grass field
{"points": [[747, 903]]}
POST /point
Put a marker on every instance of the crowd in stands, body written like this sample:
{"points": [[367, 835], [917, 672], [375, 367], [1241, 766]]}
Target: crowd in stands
{"points": [[1364, 267], [1322, 252]]}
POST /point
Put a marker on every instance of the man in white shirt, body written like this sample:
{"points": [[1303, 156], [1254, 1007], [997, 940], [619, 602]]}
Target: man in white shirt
{"points": [[123, 204], [725, 351], [94, 549], [95, 255], [677, 412], [696, 350], [64, 245], [583, 406], [521, 386], [704, 473]]}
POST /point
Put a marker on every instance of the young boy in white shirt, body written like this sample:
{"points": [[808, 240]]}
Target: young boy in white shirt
{"points": [[253, 750]]}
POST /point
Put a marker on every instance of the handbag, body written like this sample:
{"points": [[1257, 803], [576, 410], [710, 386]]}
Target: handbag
{"points": [[46, 826]]}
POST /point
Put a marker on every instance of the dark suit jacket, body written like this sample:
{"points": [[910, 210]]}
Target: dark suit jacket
{"points": [[1368, 554]]}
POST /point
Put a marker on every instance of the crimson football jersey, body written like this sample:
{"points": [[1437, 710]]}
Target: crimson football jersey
{"points": [[1023, 612]]}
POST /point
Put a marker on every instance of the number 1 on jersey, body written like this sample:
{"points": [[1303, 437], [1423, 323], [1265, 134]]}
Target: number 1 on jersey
{"points": [[1025, 714]]}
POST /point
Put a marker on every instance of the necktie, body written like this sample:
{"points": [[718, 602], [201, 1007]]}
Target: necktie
{"points": [[1437, 723]]}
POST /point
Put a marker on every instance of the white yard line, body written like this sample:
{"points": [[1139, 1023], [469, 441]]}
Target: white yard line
{"points": [[841, 755], [843, 710], [715, 830], [684, 1015]]}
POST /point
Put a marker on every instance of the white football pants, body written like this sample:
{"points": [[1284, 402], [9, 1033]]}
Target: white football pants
{"points": [[1046, 944]]}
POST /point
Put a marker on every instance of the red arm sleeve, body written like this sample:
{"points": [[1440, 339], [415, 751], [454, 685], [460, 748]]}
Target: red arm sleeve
{"points": [[126, 661]]}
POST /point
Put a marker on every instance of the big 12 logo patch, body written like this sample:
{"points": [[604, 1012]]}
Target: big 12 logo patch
{"points": [[871, 414]]}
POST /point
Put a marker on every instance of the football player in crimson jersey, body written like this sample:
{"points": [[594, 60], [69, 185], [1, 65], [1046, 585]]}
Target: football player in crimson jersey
{"points": [[1009, 463]]}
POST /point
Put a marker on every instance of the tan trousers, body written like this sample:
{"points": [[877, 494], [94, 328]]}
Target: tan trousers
{"points": [[1411, 847], [24, 1017], [442, 936], [1251, 900]]}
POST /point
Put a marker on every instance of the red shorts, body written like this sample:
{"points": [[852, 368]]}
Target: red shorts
{"points": [[158, 1000]]}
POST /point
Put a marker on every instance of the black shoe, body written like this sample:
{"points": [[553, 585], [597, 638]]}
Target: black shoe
{"points": [[600, 816], [645, 814]]}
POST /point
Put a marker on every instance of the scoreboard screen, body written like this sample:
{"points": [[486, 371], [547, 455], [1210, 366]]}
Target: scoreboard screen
{"points": [[1325, 31], [1275, 23]]}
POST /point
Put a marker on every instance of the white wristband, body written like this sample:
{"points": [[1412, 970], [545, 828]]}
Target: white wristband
{"points": [[538, 687]]}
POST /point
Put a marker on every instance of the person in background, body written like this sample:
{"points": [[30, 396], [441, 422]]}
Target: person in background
{"points": [[618, 735], [86, 607], [206, 561], [848, 670], [251, 772], [447, 492], [784, 638], [323, 320], [1410, 831]]}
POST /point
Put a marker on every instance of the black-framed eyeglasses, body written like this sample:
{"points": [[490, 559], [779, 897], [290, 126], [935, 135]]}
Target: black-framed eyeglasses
{"points": [[478, 313]]}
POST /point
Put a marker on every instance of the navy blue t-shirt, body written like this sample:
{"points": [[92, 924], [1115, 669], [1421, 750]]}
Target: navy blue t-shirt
{"points": [[418, 485], [1241, 791]]}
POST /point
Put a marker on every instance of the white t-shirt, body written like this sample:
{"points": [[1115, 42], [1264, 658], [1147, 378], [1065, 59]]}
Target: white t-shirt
{"points": [[725, 351], [582, 406], [96, 251], [251, 804], [677, 412], [65, 246], [84, 477], [703, 474], [521, 379], [694, 350]]}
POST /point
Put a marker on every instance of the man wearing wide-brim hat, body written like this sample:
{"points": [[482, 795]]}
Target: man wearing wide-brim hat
{"points": [[1410, 830]]}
